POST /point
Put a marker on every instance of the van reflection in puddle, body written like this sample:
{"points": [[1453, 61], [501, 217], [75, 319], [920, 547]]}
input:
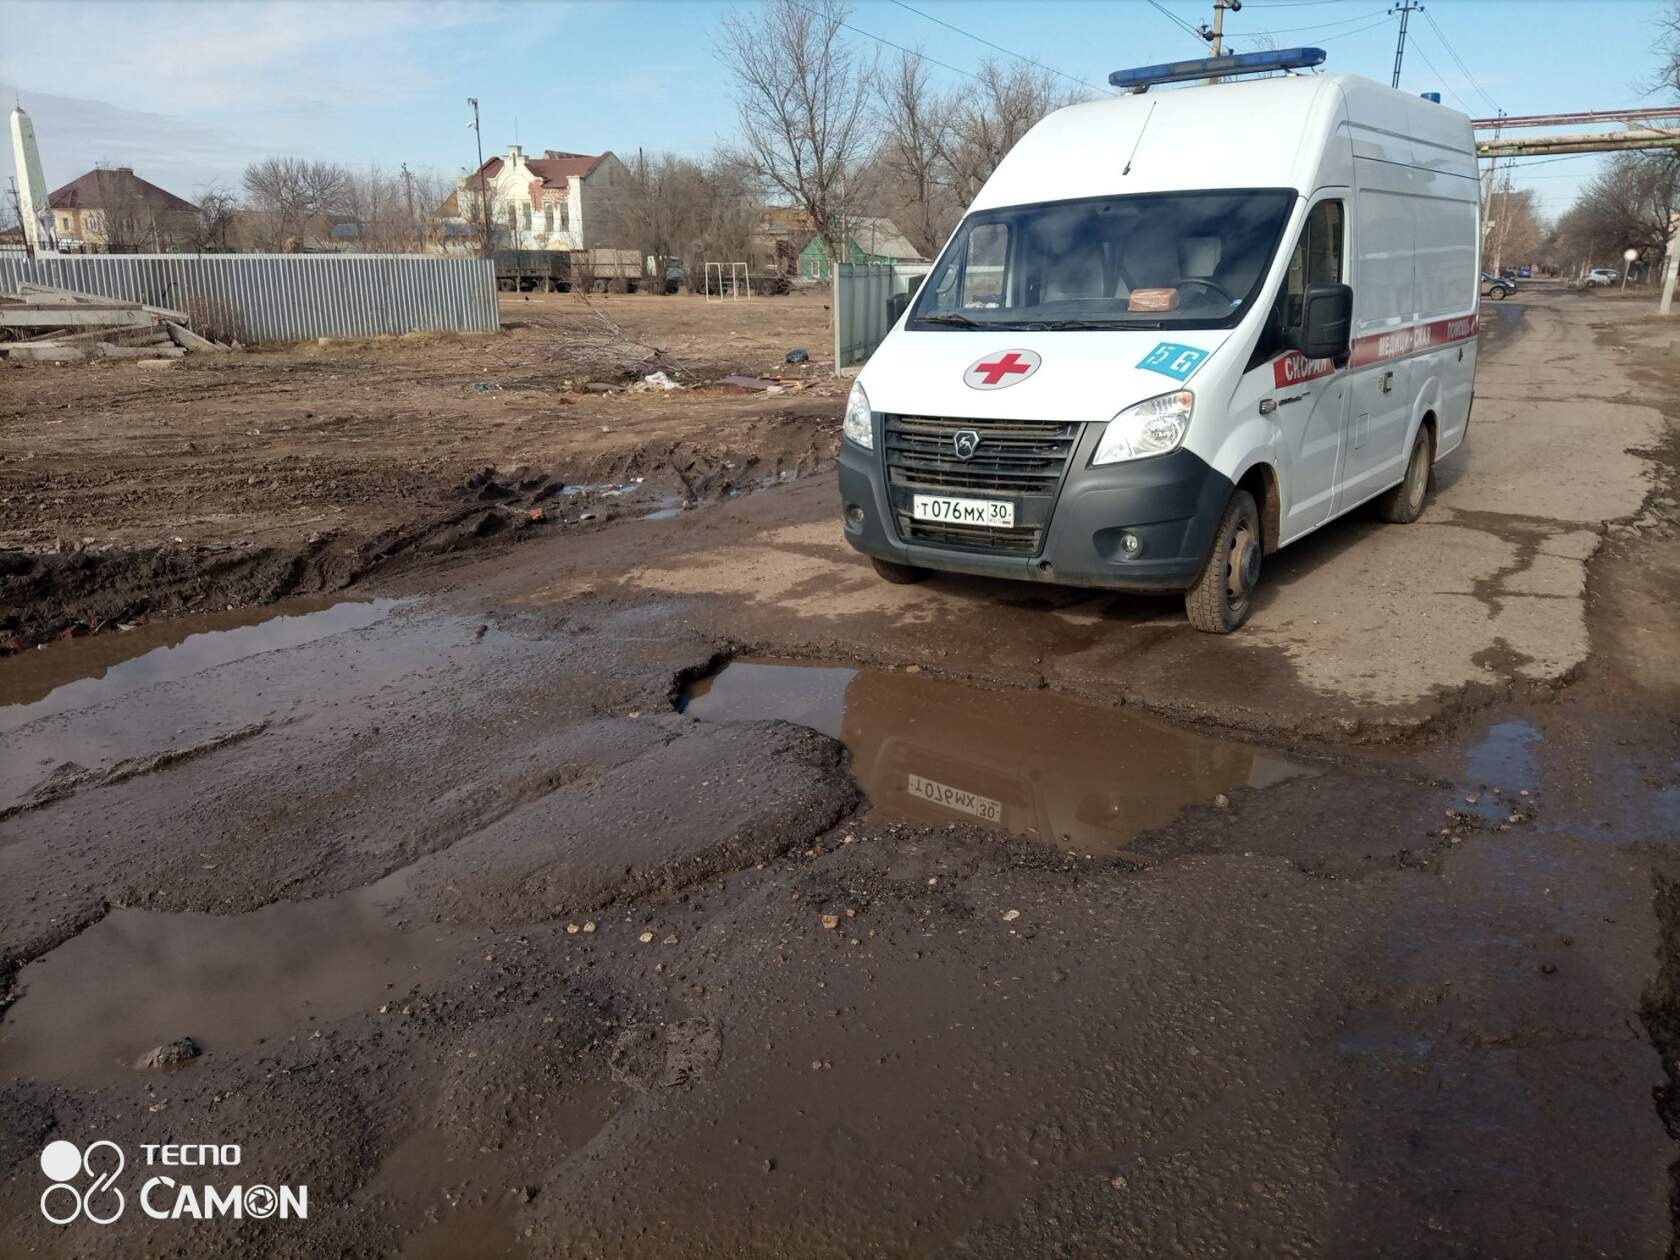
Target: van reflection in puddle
{"points": [[1076, 775]]}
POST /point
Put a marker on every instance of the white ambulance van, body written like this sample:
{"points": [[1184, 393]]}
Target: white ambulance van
{"points": [[1176, 331]]}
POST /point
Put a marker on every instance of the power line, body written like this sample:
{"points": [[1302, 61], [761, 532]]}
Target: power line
{"points": [[999, 47], [1355, 31], [1177, 21], [1453, 53], [1418, 49], [829, 17], [1318, 26]]}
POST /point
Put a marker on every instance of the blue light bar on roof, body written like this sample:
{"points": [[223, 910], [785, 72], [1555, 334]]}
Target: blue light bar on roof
{"points": [[1145, 77]]}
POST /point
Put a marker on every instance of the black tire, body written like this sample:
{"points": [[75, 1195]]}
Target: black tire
{"points": [[1404, 503], [1498, 292], [897, 574], [1223, 595]]}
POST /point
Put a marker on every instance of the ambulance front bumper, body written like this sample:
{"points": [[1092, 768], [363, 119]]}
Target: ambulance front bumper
{"points": [[1169, 506]]}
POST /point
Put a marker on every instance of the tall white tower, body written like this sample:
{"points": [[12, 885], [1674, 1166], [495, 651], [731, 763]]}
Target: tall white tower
{"points": [[33, 208]]}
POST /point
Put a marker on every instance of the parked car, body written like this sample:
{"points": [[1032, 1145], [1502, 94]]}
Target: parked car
{"points": [[1497, 287], [1601, 276], [1525, 273], [1152, 382]]}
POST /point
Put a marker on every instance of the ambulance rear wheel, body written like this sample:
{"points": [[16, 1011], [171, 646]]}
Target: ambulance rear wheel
{"points": [[897, 574], [1223, 596]]}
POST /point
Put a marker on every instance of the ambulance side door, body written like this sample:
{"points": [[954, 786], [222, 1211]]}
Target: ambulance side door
{"points": [[1305, 398]]}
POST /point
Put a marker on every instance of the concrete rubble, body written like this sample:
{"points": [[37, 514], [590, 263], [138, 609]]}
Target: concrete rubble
{"points": [[51, 325]]}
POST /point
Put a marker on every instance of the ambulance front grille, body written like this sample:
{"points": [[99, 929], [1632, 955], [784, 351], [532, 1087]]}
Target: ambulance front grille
{"points": [[1015, 457]]}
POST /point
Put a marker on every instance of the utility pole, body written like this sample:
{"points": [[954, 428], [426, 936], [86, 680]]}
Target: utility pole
{"points": [[483, 197], [1215, 35], [1405, 9], [408, 192]]}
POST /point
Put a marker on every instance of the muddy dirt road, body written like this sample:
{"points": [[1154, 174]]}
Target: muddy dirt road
{"points": [[667, 890], [232, 480]]}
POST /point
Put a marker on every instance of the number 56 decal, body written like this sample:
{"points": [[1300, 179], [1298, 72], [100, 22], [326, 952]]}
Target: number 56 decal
{"points": [[1171, 359]]}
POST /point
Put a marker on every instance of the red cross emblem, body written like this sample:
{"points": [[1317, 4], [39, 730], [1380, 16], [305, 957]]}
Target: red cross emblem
{"points": [[1000, 371]]}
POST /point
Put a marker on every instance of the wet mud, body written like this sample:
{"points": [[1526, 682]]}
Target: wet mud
{"points": [[533, 932]]}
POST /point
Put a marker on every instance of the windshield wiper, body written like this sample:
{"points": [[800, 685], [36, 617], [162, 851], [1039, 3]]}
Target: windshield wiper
{"points": [[1099, 325], [956, 321]]}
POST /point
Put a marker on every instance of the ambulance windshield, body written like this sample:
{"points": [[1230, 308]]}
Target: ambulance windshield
{"points": [[1154, 260]]}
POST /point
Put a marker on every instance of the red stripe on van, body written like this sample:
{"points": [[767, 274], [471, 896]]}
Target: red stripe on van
{"points": [[1397, 343], [1293, 367]]}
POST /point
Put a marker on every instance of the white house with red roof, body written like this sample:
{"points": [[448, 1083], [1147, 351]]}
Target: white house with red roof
{"points": [[558, 201]]}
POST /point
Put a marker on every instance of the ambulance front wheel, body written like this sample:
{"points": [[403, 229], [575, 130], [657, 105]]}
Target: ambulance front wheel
{"points": [[1223, 595], [897, 574]]}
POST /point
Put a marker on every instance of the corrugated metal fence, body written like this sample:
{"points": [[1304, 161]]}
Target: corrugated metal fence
{"points": [[863, 307], [284, 297]]}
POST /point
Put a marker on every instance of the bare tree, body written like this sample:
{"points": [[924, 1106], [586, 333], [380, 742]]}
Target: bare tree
{"points": [[1516, 230], [730, 206], [803, 105], [659, 209], [1626, 206], [987, 120], [917, 136], [215, 216], [289, 192]]}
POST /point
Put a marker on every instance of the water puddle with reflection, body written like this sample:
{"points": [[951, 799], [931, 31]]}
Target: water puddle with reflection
{"points": [[78, 673], [226, 981], [1081, 776]]}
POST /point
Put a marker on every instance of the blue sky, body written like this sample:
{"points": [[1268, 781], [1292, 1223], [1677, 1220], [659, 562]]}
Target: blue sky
{"points": [[188, 91]]}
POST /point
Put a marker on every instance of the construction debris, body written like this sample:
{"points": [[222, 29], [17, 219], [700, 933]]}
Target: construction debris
{"points": [[41, 324], [595, 347]]}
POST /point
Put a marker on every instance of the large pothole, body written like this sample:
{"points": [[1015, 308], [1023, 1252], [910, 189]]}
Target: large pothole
{"points": [[1081, 776]]}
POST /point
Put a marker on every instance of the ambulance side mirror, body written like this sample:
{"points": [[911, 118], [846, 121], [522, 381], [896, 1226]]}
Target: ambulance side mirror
{"points": [[1326, 320]]}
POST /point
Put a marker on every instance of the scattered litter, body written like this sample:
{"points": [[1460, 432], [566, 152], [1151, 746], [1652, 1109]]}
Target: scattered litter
{"points": [[1221, 801], [646, 938], [1009, 916], [656, 381], [831, 921], [798, 356]]}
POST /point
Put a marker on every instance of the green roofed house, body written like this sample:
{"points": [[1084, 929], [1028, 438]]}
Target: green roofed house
{"points": [[869, 241]]}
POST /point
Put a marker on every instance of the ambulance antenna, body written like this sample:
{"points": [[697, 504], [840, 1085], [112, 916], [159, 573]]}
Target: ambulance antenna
{"points": [[1139, 140]]}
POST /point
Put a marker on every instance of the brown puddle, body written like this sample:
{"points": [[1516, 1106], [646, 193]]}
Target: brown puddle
{"points": [[1079, 776], [101, 667], [137, 979]]}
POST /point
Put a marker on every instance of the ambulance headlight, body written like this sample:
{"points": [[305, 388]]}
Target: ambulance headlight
{"points": [[859, 427], [1151, 427]]}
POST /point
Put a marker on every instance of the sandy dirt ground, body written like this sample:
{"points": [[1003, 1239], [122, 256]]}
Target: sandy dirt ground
{"points": [[662, 889], [237, 479]]}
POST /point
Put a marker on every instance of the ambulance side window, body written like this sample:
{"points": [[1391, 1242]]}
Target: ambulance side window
{"points": [[983, 272], [1317, 257]]}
